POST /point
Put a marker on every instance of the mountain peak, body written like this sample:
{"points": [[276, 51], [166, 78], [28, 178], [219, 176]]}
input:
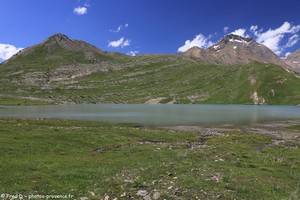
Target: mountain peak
{"points": [[236, 39], [59, 36], [59, 48], [59, 39], [195, 48]]}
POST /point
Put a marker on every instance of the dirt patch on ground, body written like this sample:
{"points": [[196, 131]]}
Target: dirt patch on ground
{"points": [[279, 131], [155, 101]]}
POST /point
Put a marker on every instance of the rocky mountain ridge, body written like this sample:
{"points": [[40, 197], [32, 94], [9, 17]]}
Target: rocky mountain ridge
{"points": [[234, 49]]}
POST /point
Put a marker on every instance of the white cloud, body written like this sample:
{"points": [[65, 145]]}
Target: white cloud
{"points": [[226, 29], [241, 32], [7, 51], [292, 41], [253, 28], [80, 10], [272, 38], [122, 42], [199, 41], [132, 53], [119, 28], [287, 54]]}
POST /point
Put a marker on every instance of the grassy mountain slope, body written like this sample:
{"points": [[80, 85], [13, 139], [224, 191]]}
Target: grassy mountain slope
{"points": [[61, 70], [160, 79], [189, 82], [58, 50]]}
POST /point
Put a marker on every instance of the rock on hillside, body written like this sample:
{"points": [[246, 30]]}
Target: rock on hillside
{"points": [[293, 60]]}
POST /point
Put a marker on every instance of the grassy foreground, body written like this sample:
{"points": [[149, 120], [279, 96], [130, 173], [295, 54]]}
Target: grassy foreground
{"points": [[93, 160]]}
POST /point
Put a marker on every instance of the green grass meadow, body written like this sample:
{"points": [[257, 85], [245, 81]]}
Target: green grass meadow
{"points": [[94, 160]]}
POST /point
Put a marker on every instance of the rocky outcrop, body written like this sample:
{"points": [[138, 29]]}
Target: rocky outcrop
{"points": [[257, 99], [293, 60]]}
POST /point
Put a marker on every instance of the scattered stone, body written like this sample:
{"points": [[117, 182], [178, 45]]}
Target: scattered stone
{"points": [[142, 193], [219, 160], [128, 181], [216, 178], [99, 150], [123, 195], [257, 99], [273, 92], [106, 197], [170, 174], [92, 193], [156, 195], [155, 101], [84, 198], [147, 197]]}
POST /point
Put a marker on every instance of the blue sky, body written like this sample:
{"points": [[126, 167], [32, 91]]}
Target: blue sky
{"points": [[149, 26]]}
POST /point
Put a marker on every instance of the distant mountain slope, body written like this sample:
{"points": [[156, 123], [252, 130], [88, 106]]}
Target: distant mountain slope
{"points": [[61, 70], [233, 49], [293, 60], [59, 49], [59, 58]]}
